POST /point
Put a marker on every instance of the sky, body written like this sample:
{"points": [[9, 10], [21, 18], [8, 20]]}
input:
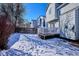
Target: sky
{"points": [[34, 10]]}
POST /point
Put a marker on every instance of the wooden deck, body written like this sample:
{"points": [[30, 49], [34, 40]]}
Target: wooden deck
{"points": [[48, 35]]}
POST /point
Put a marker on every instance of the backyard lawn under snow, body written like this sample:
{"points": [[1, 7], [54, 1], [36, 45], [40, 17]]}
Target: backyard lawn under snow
{"points": [[32, 45]]}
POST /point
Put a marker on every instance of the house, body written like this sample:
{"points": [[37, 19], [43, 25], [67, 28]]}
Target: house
{"points": [[34, 24], [41, 24], [69, 20], [41, 21], [52, 16], [65, 17]]}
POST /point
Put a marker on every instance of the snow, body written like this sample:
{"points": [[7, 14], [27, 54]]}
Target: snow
{"points": [[33, 48], [38, 47], [12, 39], [32, 45], [13, 52]]}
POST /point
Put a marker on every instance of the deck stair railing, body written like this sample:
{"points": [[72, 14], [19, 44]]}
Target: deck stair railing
{"points": [[45, 30]]}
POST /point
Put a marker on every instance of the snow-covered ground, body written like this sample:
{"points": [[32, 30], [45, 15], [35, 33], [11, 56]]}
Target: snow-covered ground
{"points": [[32, 45], [13, 39]]}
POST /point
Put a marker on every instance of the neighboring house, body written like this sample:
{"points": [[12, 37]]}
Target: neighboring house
{"points": [[52, 14], [42, 26], [41, 21], [69, 20], [34, 24]]}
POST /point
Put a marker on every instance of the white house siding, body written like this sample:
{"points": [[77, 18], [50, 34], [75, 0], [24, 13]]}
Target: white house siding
{"points": [[41, 24], [69, 7], [41, 20], [57, 27], [34, 24], [51, 12], [68, 20], [52, 16]]}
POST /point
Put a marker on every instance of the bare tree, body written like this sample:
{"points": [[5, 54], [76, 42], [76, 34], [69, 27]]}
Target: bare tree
{"points": [[10, 13], [18, 12]]}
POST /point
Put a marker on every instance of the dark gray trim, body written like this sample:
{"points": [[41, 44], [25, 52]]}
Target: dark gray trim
{"points": [[62, 5]]}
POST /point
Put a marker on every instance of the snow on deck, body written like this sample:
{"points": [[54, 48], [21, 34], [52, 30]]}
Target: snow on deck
{"points": [[35, 46]]}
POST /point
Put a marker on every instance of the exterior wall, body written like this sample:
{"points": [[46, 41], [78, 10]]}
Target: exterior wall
{"points": [[52, 25], [34, 24], [52, 16], [49, 25], [69, 21], [57, 27], [41, 21], [69, 7], [77, 23], [51, 12]]}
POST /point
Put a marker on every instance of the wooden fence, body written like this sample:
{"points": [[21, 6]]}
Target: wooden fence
{"points": [[26, 30]]}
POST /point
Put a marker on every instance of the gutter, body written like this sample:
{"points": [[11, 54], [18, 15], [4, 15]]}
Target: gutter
{"points": [[62, 5]]}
